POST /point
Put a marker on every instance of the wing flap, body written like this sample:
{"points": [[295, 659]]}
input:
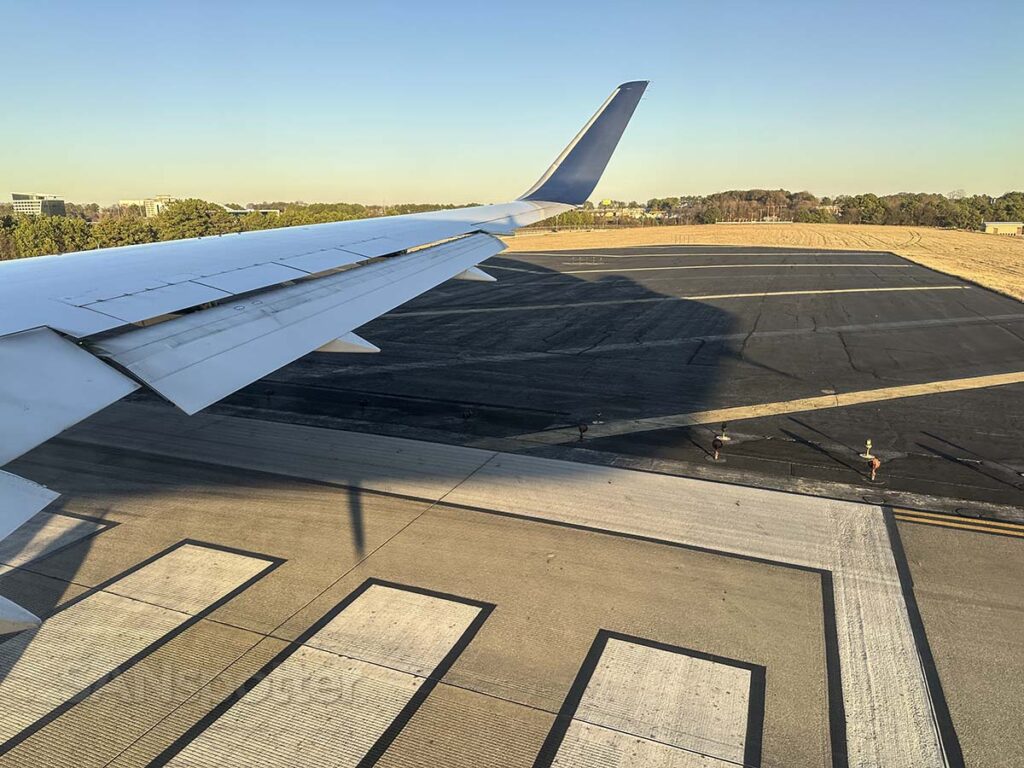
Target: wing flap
{"points": [[252, 278], [321, 261], [48, 384], [135, 307], [197, 359]]}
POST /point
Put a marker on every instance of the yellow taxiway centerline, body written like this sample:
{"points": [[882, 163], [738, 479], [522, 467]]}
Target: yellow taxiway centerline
{"points": [[975, 526], [584, 256], [1015, 529]]}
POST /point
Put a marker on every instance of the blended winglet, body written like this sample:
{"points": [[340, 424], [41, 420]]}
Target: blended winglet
{"points": [[575, 172]]}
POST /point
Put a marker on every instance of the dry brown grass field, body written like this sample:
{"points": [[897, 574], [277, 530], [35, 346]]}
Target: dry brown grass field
{"points": [[993, 261]]}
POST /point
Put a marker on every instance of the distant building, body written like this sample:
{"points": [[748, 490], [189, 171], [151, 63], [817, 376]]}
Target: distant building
{"points": [[626, 212], [245, 211], [38, 205], [1004, 227], [151, 206]]}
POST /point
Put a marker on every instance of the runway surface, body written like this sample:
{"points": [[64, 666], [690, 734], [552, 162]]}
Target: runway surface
{"points": [[806, 355], [411, 560]]}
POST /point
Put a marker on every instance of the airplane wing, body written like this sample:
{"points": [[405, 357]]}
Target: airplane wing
{"points": [[195, 320]]}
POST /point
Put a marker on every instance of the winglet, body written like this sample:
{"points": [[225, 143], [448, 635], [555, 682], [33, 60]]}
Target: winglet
{"points": [[575, 172]]}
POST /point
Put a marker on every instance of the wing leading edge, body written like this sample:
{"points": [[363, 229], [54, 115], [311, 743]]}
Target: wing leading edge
{"points": [[71, 323]]}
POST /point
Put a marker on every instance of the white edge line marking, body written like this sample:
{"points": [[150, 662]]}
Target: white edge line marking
{"points": [[650, 300]]}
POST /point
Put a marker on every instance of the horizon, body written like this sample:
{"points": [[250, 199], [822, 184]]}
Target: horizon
{"points": [[596, 201], [248, 103]]}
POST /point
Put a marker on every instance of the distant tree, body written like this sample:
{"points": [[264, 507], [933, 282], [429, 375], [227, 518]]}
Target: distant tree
{"points": [[41, 235], [125, 210], [8, 250], [254, 221], [194, 218], [1009, 207], [710, 215], [571, 219], [279, 205], [84, 211], [861, 209], [113, 231], [662, 203], [814, 216]]}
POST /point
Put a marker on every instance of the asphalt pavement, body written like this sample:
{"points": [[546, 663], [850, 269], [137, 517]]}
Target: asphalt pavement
{"points": [[633, 342]]}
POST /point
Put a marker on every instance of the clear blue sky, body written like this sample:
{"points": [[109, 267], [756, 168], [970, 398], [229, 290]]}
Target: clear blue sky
{"points": [[460, 101]]}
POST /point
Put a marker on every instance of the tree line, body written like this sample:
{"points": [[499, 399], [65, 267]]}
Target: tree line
{"points": [[956, 210], [88, 226]]}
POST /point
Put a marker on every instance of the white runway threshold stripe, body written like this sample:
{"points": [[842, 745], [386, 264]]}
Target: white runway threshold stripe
{"points": [[344, 690], [637, 703], [92, 638]]}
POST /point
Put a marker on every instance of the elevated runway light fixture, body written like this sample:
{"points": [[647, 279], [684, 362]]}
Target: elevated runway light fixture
{"points": [[716, 448], [874, 465], [722, 436], [867, 450]]}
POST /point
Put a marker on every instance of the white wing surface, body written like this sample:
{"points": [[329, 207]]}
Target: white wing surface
{"points": [[195, 320], [199, 358]]}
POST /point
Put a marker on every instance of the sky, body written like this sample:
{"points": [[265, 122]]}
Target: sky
{"points": [[386, 102]]}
